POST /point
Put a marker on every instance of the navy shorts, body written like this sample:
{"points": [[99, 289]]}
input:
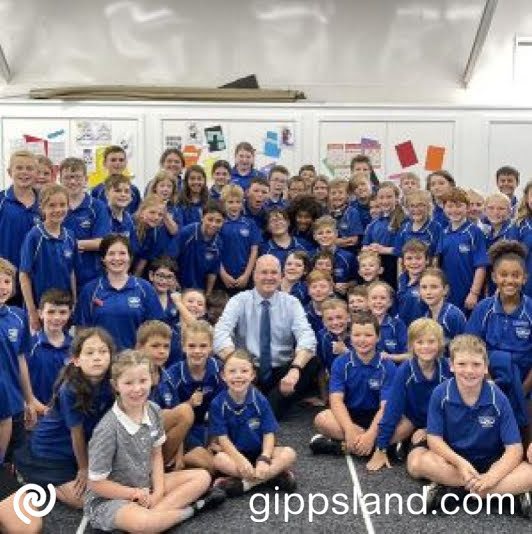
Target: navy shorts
{"points": [[362, 418], [18, 436], [196, 437], [43, 471], [483, 465]]}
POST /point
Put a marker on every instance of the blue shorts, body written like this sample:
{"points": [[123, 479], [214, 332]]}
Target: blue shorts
{"points": [[483, 465], [362, 418], [196, 437], [18, 436]]}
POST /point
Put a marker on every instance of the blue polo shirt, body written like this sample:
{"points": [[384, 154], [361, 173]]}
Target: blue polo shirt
{"points": [[379, 231], [157, 242], [478, 433], [238, 236], [438, 214], [197, 257], [315, 320], [98, 192], [463, 252], [90, 220], [364, 385], [244, 180], [344, 265], [452, 320], [393, 336], [260, 217], [348, 222], [48, 260], [409, 305], [271, 204], [505, 332], [215, 193], [281, 253], [52, 439], [189, 213], [45, 361], [127, 228], [410, 396], [363, 212], [244, 424], [324, 348], [507, 232], [300, 291], [172, 319], [16, 220], [525, 236], [176, 385], [119, 311], [430, 233], [14, 341]]}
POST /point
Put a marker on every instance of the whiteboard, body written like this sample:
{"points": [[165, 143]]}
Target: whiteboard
{"points": [[80, 137], [510, 143], [275, 142]]}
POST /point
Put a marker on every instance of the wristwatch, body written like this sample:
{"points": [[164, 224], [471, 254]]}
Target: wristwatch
{"points": [[296, 366]]}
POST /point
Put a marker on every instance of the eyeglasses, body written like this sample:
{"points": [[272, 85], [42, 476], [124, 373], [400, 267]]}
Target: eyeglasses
{"points": [[161, 276]]}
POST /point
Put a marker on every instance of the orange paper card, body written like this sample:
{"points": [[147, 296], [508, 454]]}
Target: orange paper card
{"points": [[434, 159]]}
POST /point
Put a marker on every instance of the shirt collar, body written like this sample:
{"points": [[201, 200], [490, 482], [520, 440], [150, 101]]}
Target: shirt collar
{"points": [[10, 194], [130, 284], [131, 427], [498, 308], [356, 361], [250, 399], [486, 397], [47, 235], [4, 309], [42, 338], [258, 298]]}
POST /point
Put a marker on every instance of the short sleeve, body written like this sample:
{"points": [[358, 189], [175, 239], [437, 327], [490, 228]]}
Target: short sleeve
{"points": [[337, 381], [401, 333], [102, 220], [217, 424], [27, 254], [82, 313], [268, 422], [25, 335], [509, 430], [480, 255], [435, 414], [474, 324], [152, 304], [102, 448], [72, 416], [160, 437], [387, 383]]}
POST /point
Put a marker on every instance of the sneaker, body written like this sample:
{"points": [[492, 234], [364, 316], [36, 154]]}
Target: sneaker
{"points": [[285, 481], [434, 493], [401, 451], [232, 486], [212, 499], [319, 444], [525, 503]]}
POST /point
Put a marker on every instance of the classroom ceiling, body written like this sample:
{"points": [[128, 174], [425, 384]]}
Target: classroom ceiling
{"points": [[335, 50]]}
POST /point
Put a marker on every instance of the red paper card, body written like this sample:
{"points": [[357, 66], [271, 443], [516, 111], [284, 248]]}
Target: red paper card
{"points": [[406, 154], [434, 159]]}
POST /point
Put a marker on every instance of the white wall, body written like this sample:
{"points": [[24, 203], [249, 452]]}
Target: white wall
{"points": [[481, 139]]}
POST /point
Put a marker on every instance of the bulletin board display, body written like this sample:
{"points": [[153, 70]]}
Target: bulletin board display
{"points": [[84, 138]]}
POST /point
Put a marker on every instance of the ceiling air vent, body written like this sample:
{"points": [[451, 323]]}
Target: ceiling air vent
{"points": [[523, 59]]}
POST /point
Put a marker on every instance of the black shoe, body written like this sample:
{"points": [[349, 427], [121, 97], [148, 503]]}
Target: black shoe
{"points": [[525, 503], [212, 499], [434, 495], [231, 486], [319, 444], [285, 481], [401, 451]]}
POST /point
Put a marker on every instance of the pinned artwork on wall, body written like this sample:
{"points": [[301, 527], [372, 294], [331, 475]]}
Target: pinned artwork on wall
{"points": [[215, 139]]}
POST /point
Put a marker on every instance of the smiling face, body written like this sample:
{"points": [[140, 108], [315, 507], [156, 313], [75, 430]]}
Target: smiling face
{"points": [[507, 184], [74, 180], [196, 182], [94, 358], [197, 347], [164, 189], [509, 277], [497, 211], [163, 279], [337, 197], [294, 268], [426, 348], [54, 317], [415, 262], [194, 302], [277, 224], [379, 301], [238, 374], [152, 214], [469, 369], [335, 320], [117, 259], [364, 340], [221, 177], [244, 161], [476, 207], [432, 290], [387, 199], [23, 171], [133, 386], [55, 209], [456, 211], [157, 348], [6, 287], [325, 236], [43, 177], [173, 164], [267, 275], [211, 223], [303, 221], [419, 211], [119, 196], [369, 268], [115, 162]]}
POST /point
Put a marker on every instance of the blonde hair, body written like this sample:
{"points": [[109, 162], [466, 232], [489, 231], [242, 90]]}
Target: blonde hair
{"points": [[49, 191], [150, 329], [127, 359], [232, 191], [21, 154], [6, 267], [240, 354], [474, 194], [316, 276], [385, 285], [468, 343], [333, 304], [326, 221], [398, 215], [420, 196], [148, 202], [196, 327], [523, 210], [411, 175], [423, 327], [498, 197], [362, 255], [161, 176], [43, 160]]}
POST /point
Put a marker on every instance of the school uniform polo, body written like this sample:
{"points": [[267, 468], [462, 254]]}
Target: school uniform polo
{"points": [[315, 320], [430, 234], [197, 256], [14, 341], [452, 320], [45, 362], [508, 232], [344, 265], [244, 424], [300, 291], [189, 213], [363, 212], [98, 192], [157, 242], [525, 236], [125, 227], [215, 193], [324, 348], [51, 439], [172, 319], [16, 220], [409, 305], [90, 220], [379, 231], [238, 236], [511, 333], [244, 180], [281, 253], [364, 385], [438, 214], [393, 336], [271, 204], [463, 252], [348, 221], [49, 261], [121, 451], [478, 433], [410, 396], [260, 217], [119, 311]]}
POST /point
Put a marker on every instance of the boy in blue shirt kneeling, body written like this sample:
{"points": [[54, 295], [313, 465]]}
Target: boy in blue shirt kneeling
{"points": [[472, 434]]}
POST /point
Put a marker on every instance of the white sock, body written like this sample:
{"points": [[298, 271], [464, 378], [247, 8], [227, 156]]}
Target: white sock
{"points": [[187, 513]]}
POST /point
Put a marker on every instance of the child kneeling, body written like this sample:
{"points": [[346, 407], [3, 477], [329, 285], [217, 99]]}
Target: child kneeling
{"points": [[472, 434], [243, 422]]}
